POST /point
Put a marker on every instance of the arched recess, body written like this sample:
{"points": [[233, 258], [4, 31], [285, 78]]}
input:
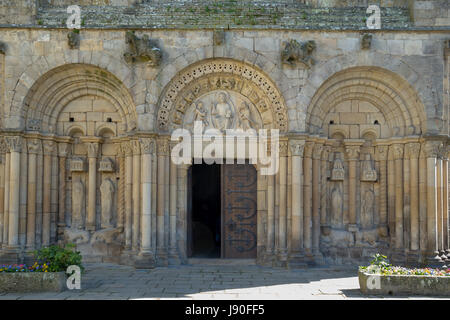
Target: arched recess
{"points": [[223, 75], [53, 91], [367, 91]]}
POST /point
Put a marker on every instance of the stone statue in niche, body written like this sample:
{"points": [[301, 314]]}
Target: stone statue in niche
{"points": [[336, 207], [367, 202], [368, 173], [222, 113], [78, 203], [141, 50], [337, 173], [107, 198], [298, 52]]}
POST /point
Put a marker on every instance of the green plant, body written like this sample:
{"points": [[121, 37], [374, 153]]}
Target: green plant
{"points": [[380, 261], [59, 258]]}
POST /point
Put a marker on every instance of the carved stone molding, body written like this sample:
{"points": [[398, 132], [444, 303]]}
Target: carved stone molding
{"points": [[3, 146], [224, 75], [283, 148], [77, 165], [297, 147], [352, 152], [34, 146], [106, 165], [147, 145], [34, 124], [135, 144], [127, 148], [14, 144], [309, 147]]}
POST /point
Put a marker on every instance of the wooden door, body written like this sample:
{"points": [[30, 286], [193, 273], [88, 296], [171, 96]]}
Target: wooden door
{"points": [[239, 209]]}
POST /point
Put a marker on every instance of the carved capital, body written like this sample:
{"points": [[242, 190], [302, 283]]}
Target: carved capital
{"points": [[352, 152], [34, 146], [49, 147], [317, 152], [283, 148], [92, 149], [135, 144], [297, 147], [398, 151], [309, 146], [14, 143], [163, 147], [63, 149], [147, 145], [413, 150], [127, 150], [382, 153]]}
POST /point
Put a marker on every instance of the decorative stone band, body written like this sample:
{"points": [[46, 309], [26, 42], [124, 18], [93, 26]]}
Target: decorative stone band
{"points": [[147, 145], [14, 143], [297, 147]]}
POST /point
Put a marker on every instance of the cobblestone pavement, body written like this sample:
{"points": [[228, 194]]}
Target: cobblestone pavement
{"points": [[109, 281]]}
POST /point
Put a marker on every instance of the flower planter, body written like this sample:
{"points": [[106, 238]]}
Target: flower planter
{"points": [[32, 281], [376, 284]]}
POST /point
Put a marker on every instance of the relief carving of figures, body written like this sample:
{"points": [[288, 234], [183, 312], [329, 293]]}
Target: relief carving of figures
{"points": [[141, 50], [298, 52], [367, 202], [107, 199], [78, 204], [336, 207], [200, 114], [245, 118], [337, 173], [368, 172], [222, 113]]}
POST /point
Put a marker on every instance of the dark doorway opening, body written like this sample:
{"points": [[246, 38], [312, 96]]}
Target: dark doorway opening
{"points": [[206, 211]]}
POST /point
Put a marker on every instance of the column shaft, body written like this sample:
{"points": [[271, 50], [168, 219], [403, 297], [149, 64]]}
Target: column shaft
{"points": [[31, 208], [283, 201], [14, 194], [46, 202], [136, 194], [6, 210], [414, 189]]}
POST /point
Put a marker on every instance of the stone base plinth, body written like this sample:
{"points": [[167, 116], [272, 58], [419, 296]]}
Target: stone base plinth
{"points": [[32, 281]]}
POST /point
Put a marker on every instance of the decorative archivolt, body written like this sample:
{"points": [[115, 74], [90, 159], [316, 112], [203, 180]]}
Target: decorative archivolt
{"points": [[55, 89], [388, 92], [221, 75]]}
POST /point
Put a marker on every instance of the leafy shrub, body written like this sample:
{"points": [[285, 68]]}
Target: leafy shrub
{"points": [[59, 258]]}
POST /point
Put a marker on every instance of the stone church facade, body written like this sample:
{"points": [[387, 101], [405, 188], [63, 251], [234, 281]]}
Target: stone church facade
{"points": [[86, 119]]}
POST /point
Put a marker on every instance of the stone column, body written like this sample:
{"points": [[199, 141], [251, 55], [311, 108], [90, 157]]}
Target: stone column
{"points": [[23, 196], [121, 189], [297, 148], [182, 210], [63, 152], [92, 189], [323, 189], [163, 150], [398, 159], [391, 196], [15, 147], [414, 150], [282, 234], [54, 197], [128, 192], [353, 158], [6, 197], [3, 151], [406, 199], [48, 147], [173, 251], [34, 147], [439, 191], [382, 156], [445, 205], [432, 151], [317, 156], [146, 253], [270, 216], [307, 197], [136, 193], [423, 239]]}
